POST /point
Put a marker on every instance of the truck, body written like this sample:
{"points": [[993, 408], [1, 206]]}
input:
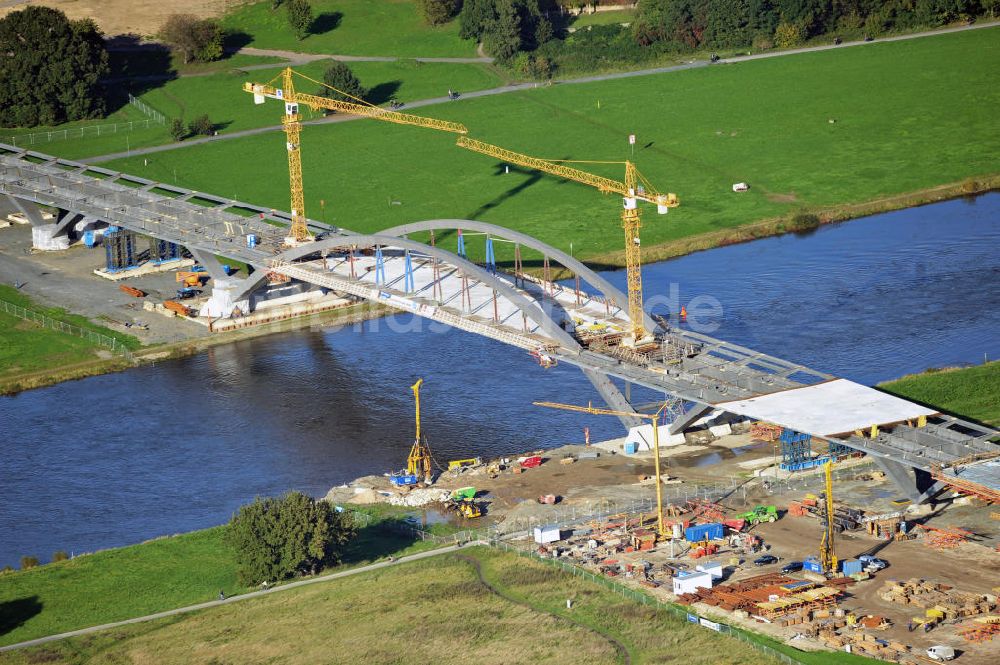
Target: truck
{"points": [[759, 514], [941, 652]]}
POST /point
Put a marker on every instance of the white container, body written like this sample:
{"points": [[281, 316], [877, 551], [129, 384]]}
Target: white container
{"points": [[713, 568], [689, 581], [547, 534]]}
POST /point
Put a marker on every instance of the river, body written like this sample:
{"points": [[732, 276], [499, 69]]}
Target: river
{"points": [[121, 458]]}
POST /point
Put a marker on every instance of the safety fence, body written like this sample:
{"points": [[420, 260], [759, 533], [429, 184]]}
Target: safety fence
{"points": [[153, 119], [61, 326]]}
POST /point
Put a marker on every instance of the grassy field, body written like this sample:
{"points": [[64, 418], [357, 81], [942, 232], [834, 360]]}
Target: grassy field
{"points": [[221, 96], [161, 574], [906, 116], [603, 18], [352, 27], [26, 346], [432, 611], [972, 392]]}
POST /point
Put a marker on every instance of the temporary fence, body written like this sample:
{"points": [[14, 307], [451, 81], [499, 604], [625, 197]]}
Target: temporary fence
{"points": [[153, 118], [61, 326]]}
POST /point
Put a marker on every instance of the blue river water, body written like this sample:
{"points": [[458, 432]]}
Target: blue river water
{"points": [[121, 458]]}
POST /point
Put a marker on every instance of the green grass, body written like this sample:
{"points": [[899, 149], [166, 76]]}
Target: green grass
{"points": [[27, 347], [909, 115], [221, 96], [353, 27], [603, 18], [428, 611], [161, 574], [156, 63], [971, 392]]}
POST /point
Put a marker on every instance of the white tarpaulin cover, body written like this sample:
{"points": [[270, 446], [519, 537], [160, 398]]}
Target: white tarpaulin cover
{"points": [[825, 409]]}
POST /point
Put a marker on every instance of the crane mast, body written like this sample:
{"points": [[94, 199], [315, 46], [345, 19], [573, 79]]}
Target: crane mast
{"points": [[291, 121], [634, 189], [827, 551]]}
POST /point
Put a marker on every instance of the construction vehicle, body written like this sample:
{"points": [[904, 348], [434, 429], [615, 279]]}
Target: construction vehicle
{"points": [[187, 292], [635, 188], [463, 463], [467, 508], [292, 99], [759, 514], [190, 279], [827, 549], [418, 463]]}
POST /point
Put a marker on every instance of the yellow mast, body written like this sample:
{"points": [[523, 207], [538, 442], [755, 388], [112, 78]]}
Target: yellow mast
{"points": [[293, 128], [635, 188], [827, 551], [419, 461], [654, 419]]}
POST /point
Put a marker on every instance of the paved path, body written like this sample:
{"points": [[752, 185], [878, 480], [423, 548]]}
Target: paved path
{"points": [[235, 599], [526, 86]]}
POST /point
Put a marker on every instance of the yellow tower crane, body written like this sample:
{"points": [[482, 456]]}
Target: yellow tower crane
{"points": [[635, 188], [419, 461], [827, 551], [654, 421], [293, 127]]}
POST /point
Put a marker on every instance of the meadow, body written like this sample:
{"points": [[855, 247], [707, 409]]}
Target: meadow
{"points": [[427, 611], [26, 346], [817, 132], [352, 27], [161, 574], [971, 392]]}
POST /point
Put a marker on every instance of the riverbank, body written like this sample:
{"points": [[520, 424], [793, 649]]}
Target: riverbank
{"points": [[11, 384], [800, 221], [969, 392]]}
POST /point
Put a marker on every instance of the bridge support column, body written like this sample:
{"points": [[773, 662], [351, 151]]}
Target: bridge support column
{"points": [[210, 263], [692, 414], [903, 476], [614, 398], [43, 231]]}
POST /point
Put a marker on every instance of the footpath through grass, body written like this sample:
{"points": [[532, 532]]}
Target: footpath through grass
{"points": [[352, 27], [972, 392], [428, 611], [116, 584], [813, 131], [26, 346]]}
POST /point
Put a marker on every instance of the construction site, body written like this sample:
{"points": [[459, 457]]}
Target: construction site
{"points": [[750, 526]]}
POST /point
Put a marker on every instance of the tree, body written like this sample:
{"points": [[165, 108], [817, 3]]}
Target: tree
{"points": [[177, 131], [476, 15], [339, 76], [277, 538], [787, 35], [50, 69], [502, 37], [300, 17], [202, 126], [28, 562], [196, 39], [436, 12]]}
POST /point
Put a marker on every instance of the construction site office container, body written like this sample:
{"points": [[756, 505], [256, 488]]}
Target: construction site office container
{"points": [[713, 568], [852, 567], [699, 532], [547, 534], [689, 581]]}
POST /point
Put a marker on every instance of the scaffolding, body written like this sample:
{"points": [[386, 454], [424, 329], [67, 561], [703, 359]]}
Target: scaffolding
{"points": [[796, 451], [161, 251], [119, 249]]}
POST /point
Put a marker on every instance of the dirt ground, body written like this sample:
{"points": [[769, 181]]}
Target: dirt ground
{"points": [[66, 279], [125, 17]]}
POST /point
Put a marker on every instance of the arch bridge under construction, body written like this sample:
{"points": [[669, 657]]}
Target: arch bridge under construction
{"points": [[582, 324]]}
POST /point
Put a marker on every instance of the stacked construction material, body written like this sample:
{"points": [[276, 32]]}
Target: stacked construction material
{"points": [[940, 601]]}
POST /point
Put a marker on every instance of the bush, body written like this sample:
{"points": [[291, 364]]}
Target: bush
{"points": [[277, 538], [177, 131], [803, 222], [339, 76], [6, 569], [437, 12], [196, 39], [762, 43], [787, 35], [202, 126], [28, 562], [60, 555], [56, 72], [300, 17]]}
